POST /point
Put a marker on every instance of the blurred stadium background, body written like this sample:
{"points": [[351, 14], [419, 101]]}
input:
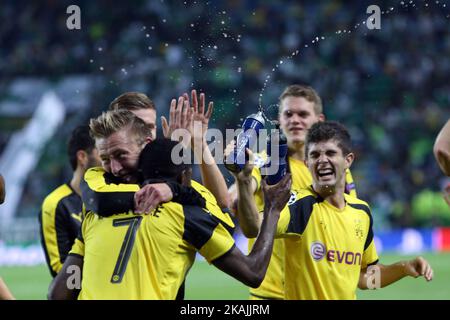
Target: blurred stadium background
{"points": [[391, 87]]}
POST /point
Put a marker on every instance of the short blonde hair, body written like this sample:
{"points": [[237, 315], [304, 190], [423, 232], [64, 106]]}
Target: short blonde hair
{"points": [[132, 101], [306, 92], [115, 120]]}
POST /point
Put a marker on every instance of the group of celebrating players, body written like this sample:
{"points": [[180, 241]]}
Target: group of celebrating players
{"points": [[130, 221]]}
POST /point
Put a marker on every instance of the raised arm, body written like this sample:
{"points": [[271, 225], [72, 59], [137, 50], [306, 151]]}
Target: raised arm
{"points": [[389, 274], [441, 149], [251, 269], [191, 115], [246, 210]]}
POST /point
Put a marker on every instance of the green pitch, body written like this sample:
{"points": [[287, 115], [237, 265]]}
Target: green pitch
{"points": [[206, 282]]}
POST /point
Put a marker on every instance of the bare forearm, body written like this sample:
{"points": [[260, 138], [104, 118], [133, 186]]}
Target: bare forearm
{"points": [[247, 213], [66, 285], [387, 275], [251, 269], [5, 294], [212, 177], [259, 257]]}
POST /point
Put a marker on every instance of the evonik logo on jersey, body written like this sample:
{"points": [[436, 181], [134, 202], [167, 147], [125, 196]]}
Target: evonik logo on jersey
{"points": [[319, 251]]}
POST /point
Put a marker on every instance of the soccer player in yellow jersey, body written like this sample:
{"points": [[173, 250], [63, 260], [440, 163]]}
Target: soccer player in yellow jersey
{"points": [[184, 113], [125, 256], [190, 115], [329, 239], [300, 107]]}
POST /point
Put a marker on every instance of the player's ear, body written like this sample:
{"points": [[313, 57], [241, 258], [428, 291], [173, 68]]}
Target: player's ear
{"points": [[321, 117], [149, 139], [82, 158]]}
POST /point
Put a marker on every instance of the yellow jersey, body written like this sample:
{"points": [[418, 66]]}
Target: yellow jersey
{"points": [[327, 246], [60, 221], [273, 285], [102, 191], [128, 256]]}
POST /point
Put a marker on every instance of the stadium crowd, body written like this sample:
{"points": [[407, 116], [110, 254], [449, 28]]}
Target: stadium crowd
{"points": [[389, 87]]}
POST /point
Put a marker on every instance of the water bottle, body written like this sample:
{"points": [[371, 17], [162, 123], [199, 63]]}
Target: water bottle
{"points": [[249, 135], [276, 167]]}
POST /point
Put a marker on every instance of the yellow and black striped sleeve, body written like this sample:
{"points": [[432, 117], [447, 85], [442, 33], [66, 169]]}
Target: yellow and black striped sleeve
{"points": [[206, 233], [104, 195], [295, 216], [57, 227]]}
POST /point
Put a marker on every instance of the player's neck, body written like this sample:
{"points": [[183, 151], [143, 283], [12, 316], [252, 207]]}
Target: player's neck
{"points": [[76, 180], [336, 200], [333, 195], [297, 151]]}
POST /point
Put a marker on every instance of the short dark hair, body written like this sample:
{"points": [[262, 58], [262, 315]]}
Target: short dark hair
{"points": [[132, 101], [329, 130], [156, 163], [80, 139]]}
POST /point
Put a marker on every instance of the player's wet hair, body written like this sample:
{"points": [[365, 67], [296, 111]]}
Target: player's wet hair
{"points": [[306, 92], [80, 139], [159, 161], [132, 101], [329, 130], [115, 120]]}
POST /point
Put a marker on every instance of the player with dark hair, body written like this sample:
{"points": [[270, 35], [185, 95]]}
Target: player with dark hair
{"points": [[60, 215], [128, 256], [329, 241], [113, 189]]}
